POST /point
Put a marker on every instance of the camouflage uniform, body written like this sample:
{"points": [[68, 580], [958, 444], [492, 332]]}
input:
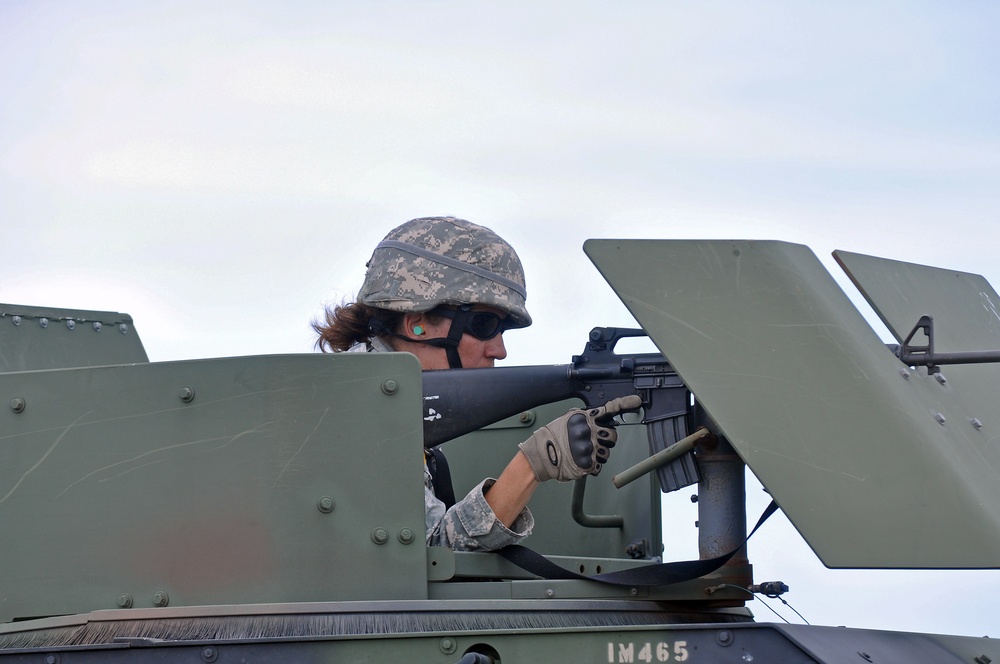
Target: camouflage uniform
{"points": [[434, 261], [471, 525]]}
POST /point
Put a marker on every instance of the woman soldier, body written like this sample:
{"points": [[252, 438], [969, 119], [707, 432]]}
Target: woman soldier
{"points": [[445, 290]]}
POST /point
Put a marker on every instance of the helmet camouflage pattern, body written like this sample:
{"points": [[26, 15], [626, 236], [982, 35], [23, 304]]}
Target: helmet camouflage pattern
{"points": [[432, 261]]}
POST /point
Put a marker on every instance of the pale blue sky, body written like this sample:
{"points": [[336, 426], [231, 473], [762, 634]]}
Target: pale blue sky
{"points": [[220, 170]]}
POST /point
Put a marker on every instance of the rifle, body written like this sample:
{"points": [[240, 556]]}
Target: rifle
{"points": [[459, 401]]}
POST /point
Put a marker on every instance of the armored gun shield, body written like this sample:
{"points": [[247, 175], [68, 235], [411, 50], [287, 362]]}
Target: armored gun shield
{"points": [[232, 480], [877, 464]]}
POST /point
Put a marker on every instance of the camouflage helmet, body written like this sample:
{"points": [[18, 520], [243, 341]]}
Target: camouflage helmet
{"points": [[432, 261]]}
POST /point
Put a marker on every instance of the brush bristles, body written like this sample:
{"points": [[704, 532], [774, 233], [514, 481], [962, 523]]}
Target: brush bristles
{"points": [[295, 626]]}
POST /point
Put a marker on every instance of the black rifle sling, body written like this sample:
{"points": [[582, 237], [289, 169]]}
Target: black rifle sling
{"points": [[440, 476], [648, 575]]}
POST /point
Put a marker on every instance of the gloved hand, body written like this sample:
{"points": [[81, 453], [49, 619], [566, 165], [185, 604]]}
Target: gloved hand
{"points": [[578, 443]]}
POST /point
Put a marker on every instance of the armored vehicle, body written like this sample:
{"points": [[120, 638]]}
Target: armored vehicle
{"points": [[268, 509]]}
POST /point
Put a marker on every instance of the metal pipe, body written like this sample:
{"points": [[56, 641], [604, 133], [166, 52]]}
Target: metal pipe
{"points": [[591, 520], [959, 357], [722, 521], [661, 458]]}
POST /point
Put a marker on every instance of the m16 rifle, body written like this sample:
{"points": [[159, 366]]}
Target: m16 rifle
{"points": [[459, 401]]}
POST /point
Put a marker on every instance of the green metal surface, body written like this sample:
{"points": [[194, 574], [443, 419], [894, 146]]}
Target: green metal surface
{"points": [[485, 453], [965, 307], [47, 338], [814, 402], [113, 485]]}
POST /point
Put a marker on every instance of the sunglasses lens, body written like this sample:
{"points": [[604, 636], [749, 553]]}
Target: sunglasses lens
{"points": [[484, 325]]}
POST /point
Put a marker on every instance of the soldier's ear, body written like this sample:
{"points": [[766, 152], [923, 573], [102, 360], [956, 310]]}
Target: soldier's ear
{"points": [[415, 325]]}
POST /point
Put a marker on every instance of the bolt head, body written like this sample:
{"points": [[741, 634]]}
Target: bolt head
{"points": [[390, 386]]}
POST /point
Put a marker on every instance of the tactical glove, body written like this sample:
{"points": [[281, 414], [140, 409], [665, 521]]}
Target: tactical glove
{"points": [[576, 444]]}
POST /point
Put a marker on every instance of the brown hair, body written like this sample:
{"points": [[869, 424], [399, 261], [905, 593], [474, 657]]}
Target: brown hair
{"points": [[347, 324]]}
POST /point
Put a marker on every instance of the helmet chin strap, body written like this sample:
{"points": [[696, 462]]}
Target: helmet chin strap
{"points": [[455, 332], [449, 343]]}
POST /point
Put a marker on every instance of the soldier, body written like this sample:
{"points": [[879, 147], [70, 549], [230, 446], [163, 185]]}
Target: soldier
{"points": [[445, 290]]}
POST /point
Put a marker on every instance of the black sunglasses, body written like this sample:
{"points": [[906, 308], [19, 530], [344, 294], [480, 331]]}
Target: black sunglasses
{"points": [[483, 325]]}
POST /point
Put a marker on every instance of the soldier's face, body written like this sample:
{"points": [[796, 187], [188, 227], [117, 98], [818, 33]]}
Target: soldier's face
{"points": [[474, 353]]}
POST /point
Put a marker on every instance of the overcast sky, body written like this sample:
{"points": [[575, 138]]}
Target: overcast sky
{"points": [[221, 170]]}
